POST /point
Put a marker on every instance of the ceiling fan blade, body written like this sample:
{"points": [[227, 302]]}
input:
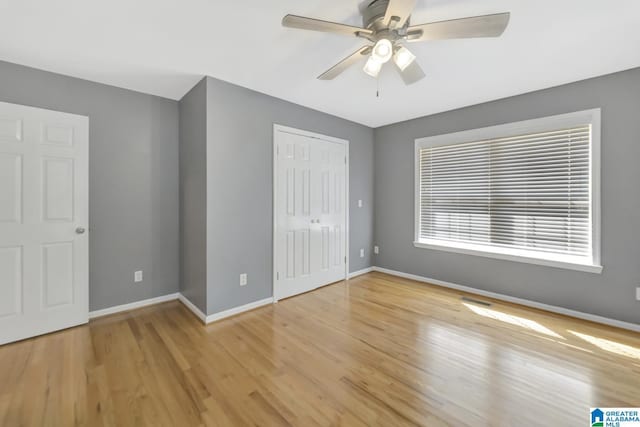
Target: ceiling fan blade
{"points": [[337, 69], [463, 28], [412, 73], [302, 23], [398, 11]]}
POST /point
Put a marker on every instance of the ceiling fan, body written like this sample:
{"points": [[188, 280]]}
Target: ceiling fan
{"points": [[386, 24]]}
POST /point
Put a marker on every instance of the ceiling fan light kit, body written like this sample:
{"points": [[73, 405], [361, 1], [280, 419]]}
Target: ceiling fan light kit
{"points": [[382, 50], [372, 67], [386, 25], [403, 57]]}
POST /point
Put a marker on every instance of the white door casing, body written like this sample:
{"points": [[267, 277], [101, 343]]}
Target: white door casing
{"points": [[44, 241], [310, 211]]}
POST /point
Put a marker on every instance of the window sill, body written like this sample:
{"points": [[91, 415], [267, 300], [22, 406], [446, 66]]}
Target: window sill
{"points": [[589, 268]]}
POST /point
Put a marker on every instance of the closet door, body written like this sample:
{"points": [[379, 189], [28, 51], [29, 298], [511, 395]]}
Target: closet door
{"points": [[310, 212], [329, 214]]}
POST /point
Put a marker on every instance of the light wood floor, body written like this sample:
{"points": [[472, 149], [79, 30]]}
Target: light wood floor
{"points": [[376, 350]]}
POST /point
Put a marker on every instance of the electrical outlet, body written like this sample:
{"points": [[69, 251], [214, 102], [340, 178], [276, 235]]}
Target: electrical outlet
{"points": [[638, 293], [243, 279], [361, 253], [376, 250], [137, 276], [359, 203]]}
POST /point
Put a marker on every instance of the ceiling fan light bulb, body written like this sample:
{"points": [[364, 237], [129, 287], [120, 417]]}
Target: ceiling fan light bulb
{"points": [[382, 50], [372, 67], [403, 58]]}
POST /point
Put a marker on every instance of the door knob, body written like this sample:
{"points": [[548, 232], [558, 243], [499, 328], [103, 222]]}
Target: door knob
{"points": [[80, 230]]}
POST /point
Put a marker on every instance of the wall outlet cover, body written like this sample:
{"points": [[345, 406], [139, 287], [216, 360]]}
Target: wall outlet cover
{"points": [[243, 279], [376, 250], [359, 203], [638, 293], [137, 276], [361, 253]]}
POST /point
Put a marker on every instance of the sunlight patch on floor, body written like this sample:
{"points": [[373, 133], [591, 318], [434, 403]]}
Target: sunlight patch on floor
{"points": [[611, 346], [513, 320]]}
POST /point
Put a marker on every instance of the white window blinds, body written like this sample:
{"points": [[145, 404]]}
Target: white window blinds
{"points": [[527, 194]]}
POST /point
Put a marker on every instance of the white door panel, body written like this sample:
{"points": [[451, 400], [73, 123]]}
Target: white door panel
{"points": [[10, 188], [10, 128], [43, 199], [310, 212], [57, 274], [11, 278]]}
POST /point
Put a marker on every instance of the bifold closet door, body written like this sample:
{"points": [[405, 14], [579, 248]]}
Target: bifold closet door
{"points": [[310, 213]]}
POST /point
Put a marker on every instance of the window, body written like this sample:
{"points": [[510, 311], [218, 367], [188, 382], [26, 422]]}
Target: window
{"points": [[526, 191]]}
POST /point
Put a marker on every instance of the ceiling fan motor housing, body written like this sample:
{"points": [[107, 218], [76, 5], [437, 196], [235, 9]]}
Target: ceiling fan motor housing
{"points": [[374, 13], [373, 17]]}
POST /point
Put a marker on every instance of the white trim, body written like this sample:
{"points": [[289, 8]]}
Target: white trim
{"points": [[191, 306], [592, 117], [540, 124], [360, 272], [308, 134], [133, 305], [274, 201], [281, 128], [186, 302], [515, 300], [347, 203], [596, 136], [492, 252], [237, 310]]}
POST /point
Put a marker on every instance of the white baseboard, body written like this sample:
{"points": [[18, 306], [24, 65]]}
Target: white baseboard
{"points": [[237, 310], [191, 306], [178, 296], [133, 305], [502, 297], [360, 272]]}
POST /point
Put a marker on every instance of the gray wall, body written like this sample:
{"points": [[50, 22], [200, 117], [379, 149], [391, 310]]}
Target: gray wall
{"points": [[133, 179], [193, 195], [239, 188], [135, 196], [611, 294]]}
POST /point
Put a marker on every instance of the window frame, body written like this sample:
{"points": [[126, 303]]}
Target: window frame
{"points": [[592, 117]]}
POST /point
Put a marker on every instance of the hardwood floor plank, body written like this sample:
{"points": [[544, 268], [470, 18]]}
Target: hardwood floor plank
{"points": [[375, 350]]}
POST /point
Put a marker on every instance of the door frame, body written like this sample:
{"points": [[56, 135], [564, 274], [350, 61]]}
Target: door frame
{"points": [[277, 129]]}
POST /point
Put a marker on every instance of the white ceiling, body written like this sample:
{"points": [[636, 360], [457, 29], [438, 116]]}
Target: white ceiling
{"points": [[163, 47]]}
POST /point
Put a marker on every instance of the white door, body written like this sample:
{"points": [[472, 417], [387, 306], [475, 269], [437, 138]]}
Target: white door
{"points": [[44, 265], [310, 211]]}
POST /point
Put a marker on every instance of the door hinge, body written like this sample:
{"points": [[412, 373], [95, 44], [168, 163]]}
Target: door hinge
{"points": [[277, 276], [345, 160], [277, 149], [345, 260]]}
